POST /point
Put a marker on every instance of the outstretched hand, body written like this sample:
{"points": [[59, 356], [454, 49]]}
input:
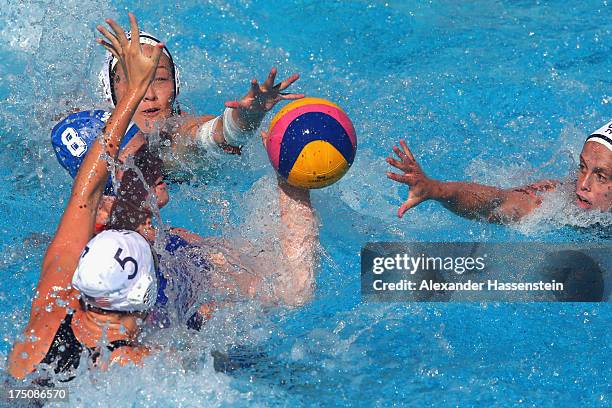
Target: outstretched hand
{"points": [[262, 98], [138, 68], [420, 185]]}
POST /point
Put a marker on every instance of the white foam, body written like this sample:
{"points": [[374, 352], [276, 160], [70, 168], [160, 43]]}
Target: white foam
{"points": [[558, 209]]}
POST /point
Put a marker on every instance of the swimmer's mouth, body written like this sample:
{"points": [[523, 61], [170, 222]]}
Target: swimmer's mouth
{"points": [[583, 202], [151, 112]]}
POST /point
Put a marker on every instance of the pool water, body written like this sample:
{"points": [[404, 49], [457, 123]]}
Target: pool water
{"points": [[500, 92]]}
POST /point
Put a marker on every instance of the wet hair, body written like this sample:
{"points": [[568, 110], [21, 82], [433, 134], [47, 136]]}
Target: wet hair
{"points": [[131, 208]]}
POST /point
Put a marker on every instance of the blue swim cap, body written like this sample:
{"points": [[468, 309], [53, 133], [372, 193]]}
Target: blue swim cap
{"points": [[72, 137]]}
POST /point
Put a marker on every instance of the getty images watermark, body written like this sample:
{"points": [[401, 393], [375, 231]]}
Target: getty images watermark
{"points": [[518, 272]]}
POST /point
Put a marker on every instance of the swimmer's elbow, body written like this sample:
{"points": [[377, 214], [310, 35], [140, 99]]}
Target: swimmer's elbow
{"points": [[17, 372], [17, 362], [513, 209]]}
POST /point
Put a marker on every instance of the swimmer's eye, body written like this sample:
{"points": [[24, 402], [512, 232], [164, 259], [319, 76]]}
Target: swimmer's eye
{"points": [[581, 167], [161, 79], [601, 178]]}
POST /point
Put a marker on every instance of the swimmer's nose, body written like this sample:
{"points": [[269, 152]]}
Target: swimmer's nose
{"points": [[585, 183], [150, 95]]}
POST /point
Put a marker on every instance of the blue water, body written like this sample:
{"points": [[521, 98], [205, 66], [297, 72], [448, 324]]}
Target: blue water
{"points": [[500, 92]]}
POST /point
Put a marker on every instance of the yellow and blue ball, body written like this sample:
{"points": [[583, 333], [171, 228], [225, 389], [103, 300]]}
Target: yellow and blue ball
{"points": [[311, 143]]}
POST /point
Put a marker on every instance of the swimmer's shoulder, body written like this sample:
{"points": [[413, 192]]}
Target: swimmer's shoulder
{"points": [[520, 201], [73, 134], [532, 193]]}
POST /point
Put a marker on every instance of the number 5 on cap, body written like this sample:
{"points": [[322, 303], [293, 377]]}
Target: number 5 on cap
{"points": [[124, 261]]}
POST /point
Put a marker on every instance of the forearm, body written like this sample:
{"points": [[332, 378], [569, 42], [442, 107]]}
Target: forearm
{"points": [[298, 242], [77, 223], [93, 174], [469, 200], [233, 129], [242, 118], [285, 276], [214, 136], [247, 121]]}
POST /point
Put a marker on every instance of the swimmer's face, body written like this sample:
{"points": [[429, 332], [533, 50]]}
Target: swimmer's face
{"points": [[157, 102], [161, 192], [594, 184], [104, 210], [147, 230]]}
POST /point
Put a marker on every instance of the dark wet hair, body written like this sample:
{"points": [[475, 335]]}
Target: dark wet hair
{"points": [[131, 208]]}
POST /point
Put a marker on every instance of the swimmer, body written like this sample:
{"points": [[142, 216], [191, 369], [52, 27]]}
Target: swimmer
{"points": [[159, 110], [139, 191], [259, 99], [140, 194], [219, 266], [593, 189], [185, 258], [100, 288]]}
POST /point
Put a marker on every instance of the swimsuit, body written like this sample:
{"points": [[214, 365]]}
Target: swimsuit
{"points": [[188, 271], [65, 352]]}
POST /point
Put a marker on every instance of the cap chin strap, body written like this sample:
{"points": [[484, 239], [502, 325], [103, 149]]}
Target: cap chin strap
{"points": [[88, 305]]}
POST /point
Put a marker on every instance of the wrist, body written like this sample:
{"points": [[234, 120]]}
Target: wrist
{"points": [[436, 190], [296, 193], [236, 132], [250, 119]]}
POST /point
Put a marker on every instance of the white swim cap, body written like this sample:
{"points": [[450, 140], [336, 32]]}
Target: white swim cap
{"points": [[116, 272], [602, 136], [105, 75]]}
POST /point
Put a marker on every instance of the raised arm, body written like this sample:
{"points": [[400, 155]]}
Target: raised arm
{"points": [[77, 223], [229, 131], [54, 293], [298, 236], [283, 274], [470, 200], [294, 279], [286, 277]]}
